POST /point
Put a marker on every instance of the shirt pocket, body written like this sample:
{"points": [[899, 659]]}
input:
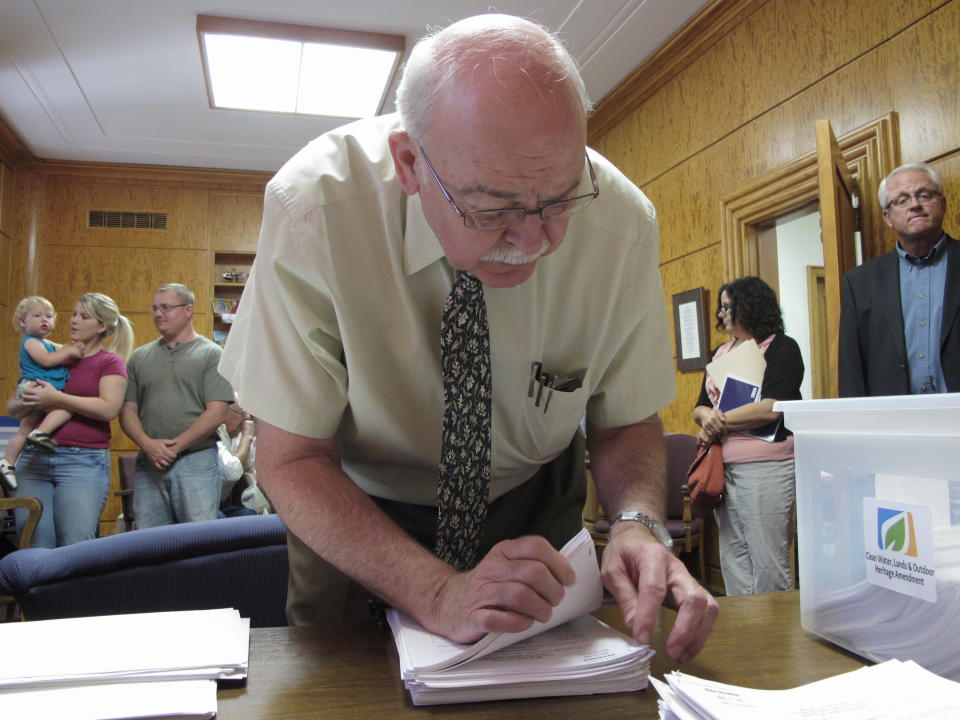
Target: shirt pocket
{"points": [[546, 429]]}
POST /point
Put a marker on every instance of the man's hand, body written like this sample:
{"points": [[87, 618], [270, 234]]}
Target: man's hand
{"points": [[517, 582], [159, 452], [642, 575]]}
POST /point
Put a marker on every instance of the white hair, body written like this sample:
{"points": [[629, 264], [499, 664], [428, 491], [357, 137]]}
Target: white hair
{"points": [[910, 167], [438, 59]]}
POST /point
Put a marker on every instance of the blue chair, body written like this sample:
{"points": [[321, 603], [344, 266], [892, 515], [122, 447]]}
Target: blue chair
{"points": [[236, 562]]}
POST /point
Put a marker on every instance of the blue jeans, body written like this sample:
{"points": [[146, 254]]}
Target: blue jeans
{"points": [[187, 491], [72, 484]]}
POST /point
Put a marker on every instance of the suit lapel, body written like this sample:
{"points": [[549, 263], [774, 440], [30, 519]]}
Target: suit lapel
{"points": [[951, 293], [888, 300]]}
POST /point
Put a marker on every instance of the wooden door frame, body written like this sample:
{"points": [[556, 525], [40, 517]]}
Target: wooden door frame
{"points": [[871, 153], [820, 380]]}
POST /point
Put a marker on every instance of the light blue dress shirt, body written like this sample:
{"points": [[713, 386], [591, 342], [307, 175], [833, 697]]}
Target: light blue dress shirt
{"points": [[922, 287]]}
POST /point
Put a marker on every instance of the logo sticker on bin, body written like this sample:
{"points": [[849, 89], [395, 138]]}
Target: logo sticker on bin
{"points": [[896, 531], [899, 547]]}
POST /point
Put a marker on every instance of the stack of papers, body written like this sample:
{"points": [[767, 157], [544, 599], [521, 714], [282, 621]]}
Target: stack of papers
{"points": [[880, 624], [121, 666], [894, 690], [571, 654]]}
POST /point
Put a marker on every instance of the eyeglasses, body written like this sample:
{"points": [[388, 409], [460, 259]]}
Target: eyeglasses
{"points": [[504, 218], [724, 308], [921, 196], [167, 308]]}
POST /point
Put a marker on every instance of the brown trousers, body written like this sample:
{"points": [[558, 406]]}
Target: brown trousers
{"points": [[549, 504]]}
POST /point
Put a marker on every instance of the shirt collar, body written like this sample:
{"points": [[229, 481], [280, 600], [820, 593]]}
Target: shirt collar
{"points": [[420, 244], [176, 346], [927, 259]]}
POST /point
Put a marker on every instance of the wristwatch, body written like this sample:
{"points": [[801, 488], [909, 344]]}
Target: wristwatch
{"points": [[655, 526]]}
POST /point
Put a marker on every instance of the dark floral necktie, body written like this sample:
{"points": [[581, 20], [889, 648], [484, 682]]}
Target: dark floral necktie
{"points": [[465, 452]]}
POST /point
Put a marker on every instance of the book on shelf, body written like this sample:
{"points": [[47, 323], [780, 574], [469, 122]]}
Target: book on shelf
{"points": [[221, 306], [573, 653]]}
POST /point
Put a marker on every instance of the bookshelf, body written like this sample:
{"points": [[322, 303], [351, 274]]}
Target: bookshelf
{"points": [[230, 272]]}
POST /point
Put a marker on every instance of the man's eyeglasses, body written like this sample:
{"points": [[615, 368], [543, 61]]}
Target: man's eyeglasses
{"points": [[503, 218], [921, 196], [167, 308]]}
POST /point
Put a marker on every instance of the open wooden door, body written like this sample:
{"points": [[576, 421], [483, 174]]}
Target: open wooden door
{"points": [[838, 226]]}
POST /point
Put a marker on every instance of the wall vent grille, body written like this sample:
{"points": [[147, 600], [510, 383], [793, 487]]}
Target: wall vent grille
{"points": [[127, 219]]}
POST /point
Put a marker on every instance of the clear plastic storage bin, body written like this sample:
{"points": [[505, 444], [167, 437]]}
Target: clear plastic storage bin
{"points": [[878, 521]]}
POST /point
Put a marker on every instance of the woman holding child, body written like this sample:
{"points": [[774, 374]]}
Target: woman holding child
{"points": [[72, 477]]}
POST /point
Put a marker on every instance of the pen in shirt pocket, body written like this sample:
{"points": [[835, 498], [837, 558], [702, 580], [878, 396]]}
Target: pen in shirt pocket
{"points": [[540, 381]]}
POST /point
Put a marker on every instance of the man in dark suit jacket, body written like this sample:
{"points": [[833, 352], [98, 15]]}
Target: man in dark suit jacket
{"points": [[899, 320]]}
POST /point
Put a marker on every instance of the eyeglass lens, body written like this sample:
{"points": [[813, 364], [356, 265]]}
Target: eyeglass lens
{"points": [[922, 196], [502, 219]]}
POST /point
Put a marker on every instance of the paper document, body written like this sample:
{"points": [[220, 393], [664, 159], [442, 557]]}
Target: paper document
{"points": [[687, 316], [745, 361], [168, 666], [881, 624], [432, 652], [181, 699], [211, 643], [571, 654], [737, 392], [894, 690]]}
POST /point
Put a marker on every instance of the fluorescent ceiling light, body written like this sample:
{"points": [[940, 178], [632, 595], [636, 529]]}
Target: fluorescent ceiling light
{"points": [[275, 67]]}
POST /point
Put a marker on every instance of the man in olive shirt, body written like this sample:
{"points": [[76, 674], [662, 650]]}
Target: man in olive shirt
{"points": [[174, 403]]}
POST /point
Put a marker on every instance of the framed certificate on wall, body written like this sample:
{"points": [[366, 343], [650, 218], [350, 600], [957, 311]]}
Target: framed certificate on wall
{"points": [[690, 329]]}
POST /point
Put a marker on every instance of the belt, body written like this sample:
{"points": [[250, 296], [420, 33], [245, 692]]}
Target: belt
{"points": [[194, 449]]}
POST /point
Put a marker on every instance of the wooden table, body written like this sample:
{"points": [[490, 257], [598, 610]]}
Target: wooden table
{"points": [[352, 672]]}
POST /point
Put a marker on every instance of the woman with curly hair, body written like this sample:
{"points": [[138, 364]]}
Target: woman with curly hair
{"points": [[756, 519]]}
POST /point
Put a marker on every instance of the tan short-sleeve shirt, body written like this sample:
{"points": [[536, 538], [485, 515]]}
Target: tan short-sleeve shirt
{"points": [[337, 333]]}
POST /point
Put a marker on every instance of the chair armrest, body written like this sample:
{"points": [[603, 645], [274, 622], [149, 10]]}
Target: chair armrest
{"points": [[34, 507]]}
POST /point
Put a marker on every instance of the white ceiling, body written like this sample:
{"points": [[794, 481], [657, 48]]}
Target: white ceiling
{"points": [[121, 80]]}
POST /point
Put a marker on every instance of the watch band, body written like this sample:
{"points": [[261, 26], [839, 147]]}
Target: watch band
{"points": [[655, 526]]}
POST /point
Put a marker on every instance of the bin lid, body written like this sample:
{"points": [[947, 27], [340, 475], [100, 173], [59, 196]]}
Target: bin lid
{"points": [[935, 414]]}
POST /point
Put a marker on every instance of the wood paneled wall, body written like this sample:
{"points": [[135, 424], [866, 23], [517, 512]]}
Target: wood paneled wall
{"points": [[732, 97], [51, 250], [747, 104]]}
